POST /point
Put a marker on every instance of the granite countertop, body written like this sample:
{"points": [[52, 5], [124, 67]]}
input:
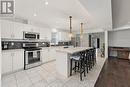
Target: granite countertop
{"points": [[72, 50]]}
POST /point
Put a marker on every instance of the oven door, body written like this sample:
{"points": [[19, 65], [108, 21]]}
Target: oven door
{"points": [[32, 57]]}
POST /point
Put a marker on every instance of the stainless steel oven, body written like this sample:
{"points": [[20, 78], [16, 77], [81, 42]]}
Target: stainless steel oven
{"points": [[32, 55], [31, 35]]}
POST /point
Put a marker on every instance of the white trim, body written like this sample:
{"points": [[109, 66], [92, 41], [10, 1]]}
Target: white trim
{"points": [[106, 44]]}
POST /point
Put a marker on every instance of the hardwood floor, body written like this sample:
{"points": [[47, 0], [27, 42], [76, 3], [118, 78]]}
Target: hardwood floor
{"points": [[115, 73]]}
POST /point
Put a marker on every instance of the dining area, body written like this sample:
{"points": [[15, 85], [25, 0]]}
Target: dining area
{"points": [[76, 60]]}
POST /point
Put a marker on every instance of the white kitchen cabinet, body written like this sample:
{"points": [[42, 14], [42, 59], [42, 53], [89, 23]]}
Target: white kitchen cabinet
{"points": [[6, 62], [14, 30], [48, 54], [52, 52], [45, 34], [64, 36], [31, 28], [12, 60], [17, 32], [18, 60], [45, 55], [11, 29], [6, 29]]}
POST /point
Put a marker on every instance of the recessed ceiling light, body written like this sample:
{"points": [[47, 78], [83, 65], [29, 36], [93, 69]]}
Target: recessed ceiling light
{"points": [[46, 3], [35, 14]]}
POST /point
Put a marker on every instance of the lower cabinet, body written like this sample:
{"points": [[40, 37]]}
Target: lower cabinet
{"points": [[6, 62], [48, 54], [12, 60], [18, 60], [45, 55]]}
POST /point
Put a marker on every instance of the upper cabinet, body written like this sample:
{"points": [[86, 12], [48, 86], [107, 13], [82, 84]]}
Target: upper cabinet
{"points": [[14, 30], [64, 36], [11, 30], [45, 33], [6, 29]]}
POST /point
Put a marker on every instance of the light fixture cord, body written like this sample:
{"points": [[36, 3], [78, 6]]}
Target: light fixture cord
{"points": [[70, 24]]}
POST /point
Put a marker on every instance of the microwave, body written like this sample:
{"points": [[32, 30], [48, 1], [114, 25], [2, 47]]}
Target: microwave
{"points": [[31, 35]]}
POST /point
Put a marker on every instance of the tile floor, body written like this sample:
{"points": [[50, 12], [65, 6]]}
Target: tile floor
{"points": [[46, 76]]}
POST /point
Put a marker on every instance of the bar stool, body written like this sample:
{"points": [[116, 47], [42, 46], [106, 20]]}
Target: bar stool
{"points": [[87, 60], [94, 55], [79, 64]]}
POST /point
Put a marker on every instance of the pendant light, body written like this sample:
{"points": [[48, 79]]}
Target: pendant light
{"points": [[81, 31], [70, 34]]}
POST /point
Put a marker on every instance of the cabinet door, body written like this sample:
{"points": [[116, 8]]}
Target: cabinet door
{"points": [[6, 62], [27, 28], [45, 34], [18, 59], [18, 31], [64, 36], [6, 27], [45, 55], [67, 38], [52, 53]]}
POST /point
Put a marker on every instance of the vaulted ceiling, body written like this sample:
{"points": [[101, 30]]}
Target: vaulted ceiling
{"points": [[93, 13], [121, 13]]}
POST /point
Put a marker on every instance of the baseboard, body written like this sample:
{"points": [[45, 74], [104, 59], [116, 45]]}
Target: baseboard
{"points": [[8, 73]]}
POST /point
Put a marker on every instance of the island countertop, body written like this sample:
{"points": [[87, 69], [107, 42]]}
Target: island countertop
{"points": [[72, 50]]}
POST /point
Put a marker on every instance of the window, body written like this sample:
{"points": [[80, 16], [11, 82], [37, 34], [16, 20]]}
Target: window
{"points": [[54, 38]]}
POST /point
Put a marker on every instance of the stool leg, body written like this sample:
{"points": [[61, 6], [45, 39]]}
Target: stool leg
{"points": [[75, 67], [84, 68], [80, 70], [78, 66], [70, 67], [87, 65]]}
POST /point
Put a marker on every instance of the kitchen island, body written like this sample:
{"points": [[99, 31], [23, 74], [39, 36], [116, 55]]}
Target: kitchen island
{"points": [[63, 59]]}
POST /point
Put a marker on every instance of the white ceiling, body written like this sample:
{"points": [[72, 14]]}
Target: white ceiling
{"points": [[93, 13], [121, 13]]}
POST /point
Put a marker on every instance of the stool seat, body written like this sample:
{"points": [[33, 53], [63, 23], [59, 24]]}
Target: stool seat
{"points": [[75, 57]]}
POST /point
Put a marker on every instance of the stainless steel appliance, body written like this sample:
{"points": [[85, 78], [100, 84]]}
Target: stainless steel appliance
{"points": [[32, 55], [31, 35]]}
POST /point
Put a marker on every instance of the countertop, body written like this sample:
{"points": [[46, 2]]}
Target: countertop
{"points": [[22, 40], [72, 50]]}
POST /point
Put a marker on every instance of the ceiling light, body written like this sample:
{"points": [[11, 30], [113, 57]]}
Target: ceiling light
{"points": [[70, 34], [46, 3], [81, 31], [35, 14]]}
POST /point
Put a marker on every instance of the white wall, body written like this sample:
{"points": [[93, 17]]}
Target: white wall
{"points": [[106, 44], [119, 38]]}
